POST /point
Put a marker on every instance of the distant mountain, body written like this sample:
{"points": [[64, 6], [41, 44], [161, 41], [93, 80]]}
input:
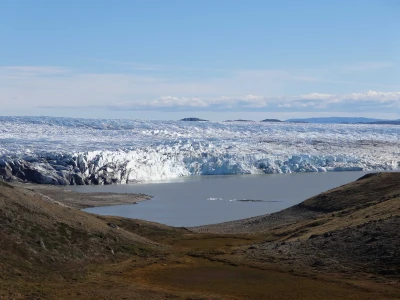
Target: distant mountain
{"points": [[271, 120], [239, 120], [192, 119], [337, 120], [386, 122]]}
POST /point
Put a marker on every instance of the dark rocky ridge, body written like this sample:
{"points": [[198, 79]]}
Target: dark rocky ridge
{"points": [[272, 120], [388, 122], [57, 170], [193, 120]]}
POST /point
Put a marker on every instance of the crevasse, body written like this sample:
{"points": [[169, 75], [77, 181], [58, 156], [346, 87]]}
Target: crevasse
{"points": [[91, 151]]}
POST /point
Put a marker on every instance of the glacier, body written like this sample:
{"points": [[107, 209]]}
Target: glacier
{"points": [[68, 151]]}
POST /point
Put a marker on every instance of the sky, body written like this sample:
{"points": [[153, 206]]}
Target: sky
{"points": [[213, 59]]}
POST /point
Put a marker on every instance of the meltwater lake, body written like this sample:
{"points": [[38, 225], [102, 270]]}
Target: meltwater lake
{"points": [[200, 200]]}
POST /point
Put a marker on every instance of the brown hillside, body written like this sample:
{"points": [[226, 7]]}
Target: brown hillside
{"points": [[51, 251], [374, 196], [368, 190], [39, 238]]}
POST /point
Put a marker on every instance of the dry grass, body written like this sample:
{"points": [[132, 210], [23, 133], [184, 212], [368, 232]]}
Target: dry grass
{"points": [[48, 251], [366, 191]]}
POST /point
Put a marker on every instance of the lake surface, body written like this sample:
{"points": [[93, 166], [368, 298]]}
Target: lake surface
{"points": [[199, 200]]}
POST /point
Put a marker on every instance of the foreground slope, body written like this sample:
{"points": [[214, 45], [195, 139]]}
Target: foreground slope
{"points": [[43, 241], [351, 229], [341, 250]]}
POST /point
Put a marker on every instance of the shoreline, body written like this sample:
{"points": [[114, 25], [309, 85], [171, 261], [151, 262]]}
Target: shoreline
{"points": [[63, 196]]}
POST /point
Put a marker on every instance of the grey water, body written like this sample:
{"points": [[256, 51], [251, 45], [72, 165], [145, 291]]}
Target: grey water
{"points": [[200, 200]]}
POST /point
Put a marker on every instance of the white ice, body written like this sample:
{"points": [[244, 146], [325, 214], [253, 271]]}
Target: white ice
{"points": [[135, 150]]}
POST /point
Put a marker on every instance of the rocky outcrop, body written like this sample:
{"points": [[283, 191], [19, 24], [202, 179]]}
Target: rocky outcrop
{"points": [[40, 172], [5, 169], [192, 119], [271, 120], [59, 171]]}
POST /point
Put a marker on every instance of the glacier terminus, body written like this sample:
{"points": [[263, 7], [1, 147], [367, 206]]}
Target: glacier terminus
{"points": [[68, 151]]}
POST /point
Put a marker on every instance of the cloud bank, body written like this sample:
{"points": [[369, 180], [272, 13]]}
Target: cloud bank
{"points": [[44, 87], [314, 101]]}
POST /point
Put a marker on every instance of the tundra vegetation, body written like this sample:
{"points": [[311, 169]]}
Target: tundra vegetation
{"points": [[341, 244]]}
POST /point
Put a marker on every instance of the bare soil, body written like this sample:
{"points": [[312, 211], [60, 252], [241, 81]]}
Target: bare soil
{"points": [[65, 196]]}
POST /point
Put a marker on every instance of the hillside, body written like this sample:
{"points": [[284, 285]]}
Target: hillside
{"points": [[372, 190], [367, 191], [351, 229], [43, 241], [341, 244]]}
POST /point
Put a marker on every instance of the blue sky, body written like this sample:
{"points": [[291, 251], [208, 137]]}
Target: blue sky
{"points": [[212, 59]]}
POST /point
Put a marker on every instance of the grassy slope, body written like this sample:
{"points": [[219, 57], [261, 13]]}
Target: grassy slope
{"points": [[369, 199], [42, 241], [153, 261], [366, 191]]}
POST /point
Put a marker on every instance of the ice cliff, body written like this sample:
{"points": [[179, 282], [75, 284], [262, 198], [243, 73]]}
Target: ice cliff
{"points": [[92, 151]]}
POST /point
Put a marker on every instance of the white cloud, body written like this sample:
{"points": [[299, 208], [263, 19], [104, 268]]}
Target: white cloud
{"points": [[367, 66], [375, 96], [268, 90], [31, 70], [314, 96], [313, 100], [248, 101]]}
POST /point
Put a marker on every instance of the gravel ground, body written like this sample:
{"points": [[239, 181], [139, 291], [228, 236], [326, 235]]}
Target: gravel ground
{"points": [[70, 198], [373, 247]]}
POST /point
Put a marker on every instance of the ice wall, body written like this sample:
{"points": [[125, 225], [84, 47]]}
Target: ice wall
{"points": [[91, 151]]}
